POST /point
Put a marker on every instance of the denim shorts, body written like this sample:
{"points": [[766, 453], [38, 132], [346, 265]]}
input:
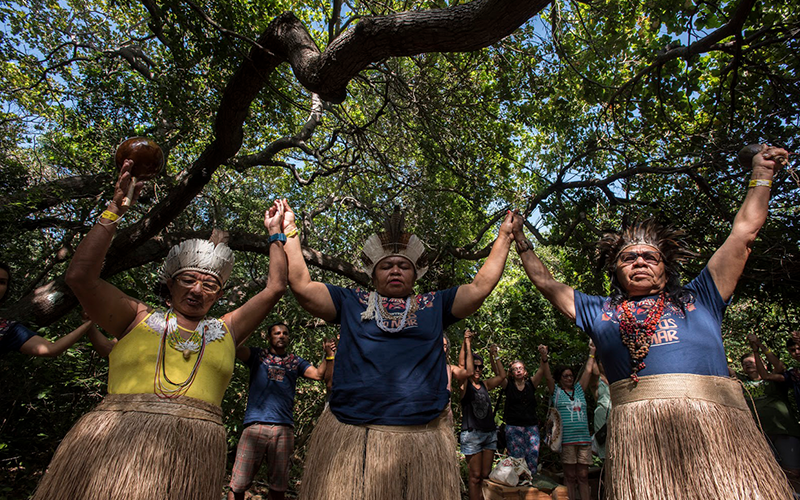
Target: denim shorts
{"points": [[473, 442]]}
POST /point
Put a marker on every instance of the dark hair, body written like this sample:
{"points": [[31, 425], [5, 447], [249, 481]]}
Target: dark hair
{"points": [[559, 371], [5, 267], [745, 356], [792, 341], [477, 357], [278, 323]]}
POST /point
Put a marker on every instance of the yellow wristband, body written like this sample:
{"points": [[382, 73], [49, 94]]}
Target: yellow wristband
{"points": [[109, 215], [591, 355], [292, 233], [329, 358], [760, 182]]}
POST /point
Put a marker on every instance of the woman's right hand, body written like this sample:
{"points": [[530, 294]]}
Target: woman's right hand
{"points": [[123, 185], [288, 217]]}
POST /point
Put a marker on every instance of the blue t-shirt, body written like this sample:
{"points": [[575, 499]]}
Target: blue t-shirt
{"points": [[571, 407], [390, 378], [688, 341], [272, 382], [13, 335]]}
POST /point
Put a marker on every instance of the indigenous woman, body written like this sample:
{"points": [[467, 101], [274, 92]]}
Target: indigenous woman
{"points": [[386, 433], [158, 434], [522, 429], [679, 426], [569, 399], [478, 431], [15, 337]]}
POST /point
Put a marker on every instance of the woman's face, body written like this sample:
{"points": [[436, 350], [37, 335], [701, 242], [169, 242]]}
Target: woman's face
{"points": [[476, 375], [394, 277], [4, 278], [518, 371], [192, 293], [567, 380], [641, 271]]}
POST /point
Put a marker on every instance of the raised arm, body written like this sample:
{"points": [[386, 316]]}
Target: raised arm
{"points": [[500, 372], [243, 321], [588, 369], [560, 295], [106, 304], [470, 297], [544, 366], [462, 373], [312, 296], [40, 346], [727, 263], [318, 373], [330, 356], [777, 374]]}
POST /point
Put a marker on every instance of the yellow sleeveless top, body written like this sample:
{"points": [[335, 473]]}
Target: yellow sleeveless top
{"points": [[132, 362]]}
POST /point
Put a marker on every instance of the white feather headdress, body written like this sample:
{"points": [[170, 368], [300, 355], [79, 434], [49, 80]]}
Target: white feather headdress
{"points": [[199, 255], [394, 242]]}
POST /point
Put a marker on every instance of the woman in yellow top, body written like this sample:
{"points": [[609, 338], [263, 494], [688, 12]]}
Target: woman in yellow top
{"points": [[158, 434]]}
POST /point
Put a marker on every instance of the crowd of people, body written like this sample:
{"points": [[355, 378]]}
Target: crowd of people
{"points": [[669, 420]]}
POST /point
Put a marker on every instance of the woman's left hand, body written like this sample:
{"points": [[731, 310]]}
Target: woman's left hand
{"points": [[273, 218]]}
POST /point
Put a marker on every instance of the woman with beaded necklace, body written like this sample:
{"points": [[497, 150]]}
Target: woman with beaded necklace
{"points": [[678, 424], [158, 434], [386, 434]]}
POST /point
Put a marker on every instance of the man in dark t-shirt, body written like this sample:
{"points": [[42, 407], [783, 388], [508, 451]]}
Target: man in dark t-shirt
{"points": [[269, 419]]}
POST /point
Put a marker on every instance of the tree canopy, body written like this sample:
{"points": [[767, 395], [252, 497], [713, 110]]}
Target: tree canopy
{"points": [[584, 115]]}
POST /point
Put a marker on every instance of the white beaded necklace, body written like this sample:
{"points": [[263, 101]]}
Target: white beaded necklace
{"points": [[374, 310]]}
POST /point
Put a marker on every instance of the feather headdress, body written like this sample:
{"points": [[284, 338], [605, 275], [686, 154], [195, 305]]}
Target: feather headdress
{"points": [[667, 239], [394, 241], [210, 257]]}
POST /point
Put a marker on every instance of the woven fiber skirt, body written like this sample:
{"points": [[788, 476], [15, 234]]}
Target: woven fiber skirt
{"points": [[683, 436], [381, 462], [140, 447]]}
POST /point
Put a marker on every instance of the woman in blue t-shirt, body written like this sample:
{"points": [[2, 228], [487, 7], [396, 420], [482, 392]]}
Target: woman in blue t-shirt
{"points": [[660, 343], [15, 336], [576, 446]]}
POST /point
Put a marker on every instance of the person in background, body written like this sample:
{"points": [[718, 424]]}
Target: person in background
{"points": [[14, 336], [519, 413], [568, 397], [769, 391], [602, 394], [269, 417], [478, 431]]}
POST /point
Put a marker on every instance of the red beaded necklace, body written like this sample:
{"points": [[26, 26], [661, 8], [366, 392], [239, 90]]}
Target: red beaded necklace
{"points": [[636, 335]]}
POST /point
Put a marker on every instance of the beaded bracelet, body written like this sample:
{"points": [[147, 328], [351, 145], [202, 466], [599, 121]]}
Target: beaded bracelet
{"points": [[760, 182]]}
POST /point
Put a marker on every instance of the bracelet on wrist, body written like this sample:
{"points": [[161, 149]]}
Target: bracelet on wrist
{"points": [[591, 355], [276, 237], [292, 232], [760, 182], [111, 217], [329, 358]]}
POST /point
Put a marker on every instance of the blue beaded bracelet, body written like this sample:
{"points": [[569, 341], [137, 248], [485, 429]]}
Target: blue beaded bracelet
{"points": [[277, 237]]}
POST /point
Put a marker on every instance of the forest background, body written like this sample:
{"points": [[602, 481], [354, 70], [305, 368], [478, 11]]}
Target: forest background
{"points": [[583, 114]]}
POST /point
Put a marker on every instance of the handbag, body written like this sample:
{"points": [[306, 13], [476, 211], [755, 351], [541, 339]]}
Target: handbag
{"points": [[553, 429]]}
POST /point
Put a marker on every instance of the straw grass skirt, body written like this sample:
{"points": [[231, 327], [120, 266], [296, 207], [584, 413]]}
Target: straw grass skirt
{"points": [[682, 436], [378, 462], [140, 447]]}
